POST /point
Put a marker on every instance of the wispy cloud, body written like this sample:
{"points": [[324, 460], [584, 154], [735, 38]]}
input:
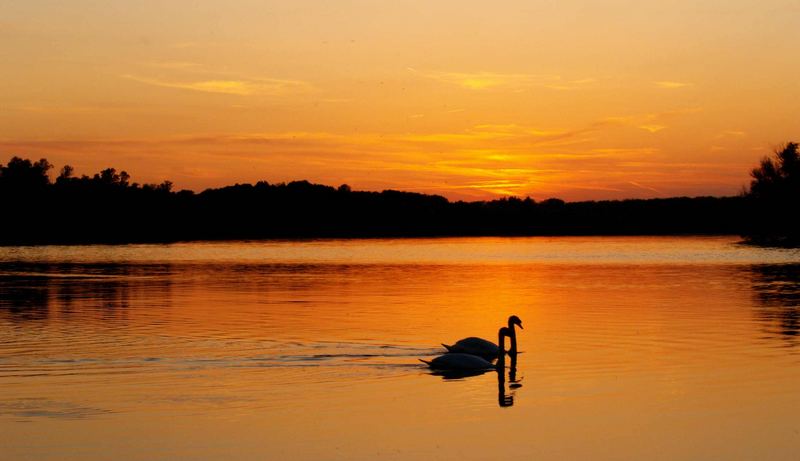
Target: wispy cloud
{"points": [[485, 80], [652, 122], [671, 85], [495, 80], [641, 186], [240, 87], [732, 134], [652, 128]]}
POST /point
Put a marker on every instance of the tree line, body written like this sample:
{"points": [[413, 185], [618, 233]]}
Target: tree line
{"points": [[108, 208]]}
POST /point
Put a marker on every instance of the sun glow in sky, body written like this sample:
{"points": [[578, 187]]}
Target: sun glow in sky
{"points": [[471, 100]]}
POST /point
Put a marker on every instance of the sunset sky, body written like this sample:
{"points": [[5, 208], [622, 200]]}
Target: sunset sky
{"points": [[471, 100]]}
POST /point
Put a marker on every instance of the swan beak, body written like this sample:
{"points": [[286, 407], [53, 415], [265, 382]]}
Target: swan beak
{"points": [[520, 326]]}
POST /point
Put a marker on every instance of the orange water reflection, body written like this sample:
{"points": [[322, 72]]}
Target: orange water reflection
{"points": [[625, 356]]}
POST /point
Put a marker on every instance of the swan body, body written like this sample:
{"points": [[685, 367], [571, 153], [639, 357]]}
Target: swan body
{"points": [[458, 361], [482, 347]]}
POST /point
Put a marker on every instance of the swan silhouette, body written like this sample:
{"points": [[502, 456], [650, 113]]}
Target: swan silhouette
{"points": [[485, 349], [459, 361]]}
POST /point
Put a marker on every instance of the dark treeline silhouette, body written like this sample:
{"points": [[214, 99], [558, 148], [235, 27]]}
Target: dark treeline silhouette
{"points": [[109, 208], [773, 199]]}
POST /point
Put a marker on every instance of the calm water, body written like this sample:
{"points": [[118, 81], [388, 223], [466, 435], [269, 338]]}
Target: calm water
{"points": [[633, 348]]}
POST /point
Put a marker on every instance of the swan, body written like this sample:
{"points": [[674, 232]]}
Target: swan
{"points": [[483, 348], [457, 361]]}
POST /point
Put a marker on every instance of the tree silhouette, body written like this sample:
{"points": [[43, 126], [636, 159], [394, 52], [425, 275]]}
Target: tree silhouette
{"points": [[773, 198], [777, 178], [24, 174], [66, 174]]}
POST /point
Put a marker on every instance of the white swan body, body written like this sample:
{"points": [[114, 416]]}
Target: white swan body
{"points": [[482, 347]]}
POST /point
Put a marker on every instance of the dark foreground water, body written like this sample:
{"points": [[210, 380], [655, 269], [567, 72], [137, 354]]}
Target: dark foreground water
{"points": [[633, 348]]}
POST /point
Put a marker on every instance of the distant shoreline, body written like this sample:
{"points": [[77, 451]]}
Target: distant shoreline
{"points": [[109, 209], [382, 237], [65, 214]]}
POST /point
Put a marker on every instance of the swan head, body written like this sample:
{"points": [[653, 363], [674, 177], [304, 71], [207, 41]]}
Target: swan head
{"points": [[514, 320]]}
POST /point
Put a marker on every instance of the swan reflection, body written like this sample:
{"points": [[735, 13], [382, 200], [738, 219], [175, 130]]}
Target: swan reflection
{"points": [[458, 374], [503, 399]]}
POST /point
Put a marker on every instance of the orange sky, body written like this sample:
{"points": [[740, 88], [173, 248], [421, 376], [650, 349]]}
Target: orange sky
{"points": [[579, 100]]}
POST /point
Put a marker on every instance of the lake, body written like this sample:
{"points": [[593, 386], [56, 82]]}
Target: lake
{"points": [[656, 348]]}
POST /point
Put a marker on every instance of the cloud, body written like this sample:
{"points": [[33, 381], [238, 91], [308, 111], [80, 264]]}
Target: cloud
{"points": [[670, 85], [652, 122], [641, 186], [484, 80], [239, 87], [511, 81], [732, 134], [652, 128]]}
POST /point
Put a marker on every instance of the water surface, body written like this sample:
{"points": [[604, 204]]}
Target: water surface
{"points": [[633, 348]]}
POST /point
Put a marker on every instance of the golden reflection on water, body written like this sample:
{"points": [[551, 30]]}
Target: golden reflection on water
{"points": [[662, 348]]}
